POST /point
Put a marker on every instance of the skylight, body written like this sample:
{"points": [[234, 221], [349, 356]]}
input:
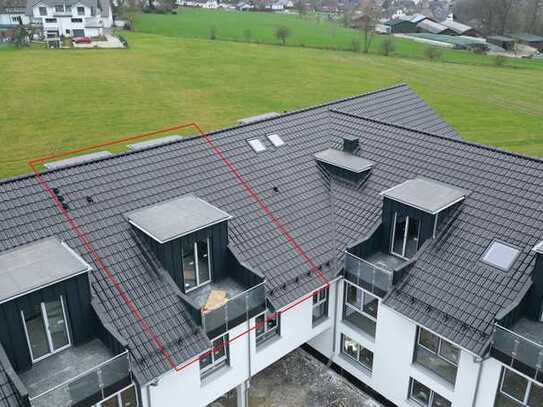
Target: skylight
{"points": [[276, 140], [500, 255], [257, 145]]}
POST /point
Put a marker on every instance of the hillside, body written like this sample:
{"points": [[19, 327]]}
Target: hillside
{"points": [[72, 98]]}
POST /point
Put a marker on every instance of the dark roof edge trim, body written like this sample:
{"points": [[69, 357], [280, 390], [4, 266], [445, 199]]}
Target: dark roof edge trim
{"points": [[212, 133], [515, 303], [467, 143]]}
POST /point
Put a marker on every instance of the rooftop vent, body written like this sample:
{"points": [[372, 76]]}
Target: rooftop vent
{"points": [[425, 194], [153, 143], [276, 140], [176, 218], [500, 255], [257, 145], [254, 119], [350, 144], [81, 159]]}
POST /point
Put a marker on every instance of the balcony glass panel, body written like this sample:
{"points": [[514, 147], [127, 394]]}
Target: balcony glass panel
{"points": [[509, 345], [363, 273]]}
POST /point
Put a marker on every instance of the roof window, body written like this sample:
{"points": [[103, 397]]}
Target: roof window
{"points": [[257, 145], [500, 255], [276, 140]]}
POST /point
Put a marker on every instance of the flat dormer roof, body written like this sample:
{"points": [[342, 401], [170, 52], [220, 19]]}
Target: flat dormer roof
{"points": [[176, 218], [36, 265], [425, 194], [344, 160]]}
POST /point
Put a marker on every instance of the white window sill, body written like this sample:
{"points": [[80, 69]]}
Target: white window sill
{"points": [[211, 377], [434, 377], [268, 343], [358, 366]]}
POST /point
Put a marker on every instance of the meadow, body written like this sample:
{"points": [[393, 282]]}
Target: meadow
{"points": [[55, 100]]}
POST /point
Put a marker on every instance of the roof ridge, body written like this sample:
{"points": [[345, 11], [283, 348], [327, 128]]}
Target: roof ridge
{"points": [[21, 177], [459, 141]]}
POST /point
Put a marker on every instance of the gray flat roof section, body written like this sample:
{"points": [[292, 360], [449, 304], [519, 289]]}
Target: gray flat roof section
{"points": [[153, 143], [254, 119], [344, 160], [77, 160], [176, 218], [425, 194], [37, 265]]}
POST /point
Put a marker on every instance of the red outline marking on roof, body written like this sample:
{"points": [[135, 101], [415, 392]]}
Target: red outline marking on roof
{"points": [[103, 268]]}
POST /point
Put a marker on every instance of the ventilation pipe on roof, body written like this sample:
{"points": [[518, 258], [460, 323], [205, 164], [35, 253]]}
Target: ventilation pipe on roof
{"points": [[350, 144]]}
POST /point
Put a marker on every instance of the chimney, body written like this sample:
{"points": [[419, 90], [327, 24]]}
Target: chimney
{"points": [[350, 144]]}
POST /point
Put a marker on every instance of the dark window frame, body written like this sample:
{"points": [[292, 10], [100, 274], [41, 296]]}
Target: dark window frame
{"points": [[267, 333], [408, 219], [359, 349], [530, 383], [320, 302], [361, 311], [217, 362], [431, 398], [195, 258], [437, 353]]}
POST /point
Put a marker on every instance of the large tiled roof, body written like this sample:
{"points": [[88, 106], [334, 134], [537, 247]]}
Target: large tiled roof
{"points": [[320, 212]]}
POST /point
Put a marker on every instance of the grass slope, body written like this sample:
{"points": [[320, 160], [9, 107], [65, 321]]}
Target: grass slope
{"points": [[54, 100], [311, 31]]}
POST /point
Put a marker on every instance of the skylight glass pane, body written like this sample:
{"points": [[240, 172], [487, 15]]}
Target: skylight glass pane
{"points": [[500, 255], [257, 145], [276, 140]]}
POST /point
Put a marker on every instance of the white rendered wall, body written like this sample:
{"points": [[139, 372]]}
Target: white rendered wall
{"points": [[393, 349]]}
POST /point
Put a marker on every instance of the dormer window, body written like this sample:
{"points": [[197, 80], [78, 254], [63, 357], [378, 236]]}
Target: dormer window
{"points": [[405, 236], [196, 264]]}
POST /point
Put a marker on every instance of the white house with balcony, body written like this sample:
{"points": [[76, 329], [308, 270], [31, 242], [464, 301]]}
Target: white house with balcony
{"points": [[71, 18]]}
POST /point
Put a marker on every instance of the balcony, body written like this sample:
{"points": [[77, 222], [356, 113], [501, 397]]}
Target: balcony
{"points": [[77, 377], [521, 347], [375, 273], [240, 304]]}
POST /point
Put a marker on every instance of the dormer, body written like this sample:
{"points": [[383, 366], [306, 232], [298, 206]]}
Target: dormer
{"points": [[345, 163], [413, 210], [189, 237]]}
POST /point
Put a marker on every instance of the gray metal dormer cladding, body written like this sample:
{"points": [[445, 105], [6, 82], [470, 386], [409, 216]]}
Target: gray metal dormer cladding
{"points": [[45, 302], [413, 212], [189, 236]]}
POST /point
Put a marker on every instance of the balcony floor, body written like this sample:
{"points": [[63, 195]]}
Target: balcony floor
{"points": [[529, 329], [231, 286], [386, 261], [63, 366]]}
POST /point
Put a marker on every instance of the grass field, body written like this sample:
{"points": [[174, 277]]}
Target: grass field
{"points": [[312, 31], [54, 100]]}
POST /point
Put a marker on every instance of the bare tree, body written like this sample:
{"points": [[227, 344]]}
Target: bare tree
{"points": [[366, 20]]}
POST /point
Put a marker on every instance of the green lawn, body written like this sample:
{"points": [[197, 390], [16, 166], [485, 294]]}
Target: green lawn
{"points": [[53, 100], [310, 31]]}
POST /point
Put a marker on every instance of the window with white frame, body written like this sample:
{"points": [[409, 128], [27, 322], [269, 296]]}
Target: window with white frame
{"points": [[80, 11], [426, 397], [125, 398], [266, 326], [437, 354], [405, 236], [46, 328], [43, 11], [196, 264], [59, 8], [360, 308], [320, 305], [356, 352], [515, 390], [50, 20], [216, 357]]}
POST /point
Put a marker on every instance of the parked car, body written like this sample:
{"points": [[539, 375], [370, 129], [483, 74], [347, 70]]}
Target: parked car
{"points": [[82, 40]]}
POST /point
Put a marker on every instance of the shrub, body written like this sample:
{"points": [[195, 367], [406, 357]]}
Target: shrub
{"points": [[282, 33], [387, 46], [247, 35], [499, 60], [356, 45], [213, 33], [433, 53]]}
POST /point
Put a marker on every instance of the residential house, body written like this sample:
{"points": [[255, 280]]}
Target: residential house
{"points": [[13, 13], [405, 24], [506, 43], [365, 228], [71, 18]]}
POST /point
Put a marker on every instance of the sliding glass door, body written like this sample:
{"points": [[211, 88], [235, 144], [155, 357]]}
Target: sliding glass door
{"points": [[46, 328]]}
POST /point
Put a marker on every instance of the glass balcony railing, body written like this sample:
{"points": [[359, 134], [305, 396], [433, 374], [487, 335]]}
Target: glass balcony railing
{"points": [[235, 311], [367, 275], [517, 351], [89, 387]]}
